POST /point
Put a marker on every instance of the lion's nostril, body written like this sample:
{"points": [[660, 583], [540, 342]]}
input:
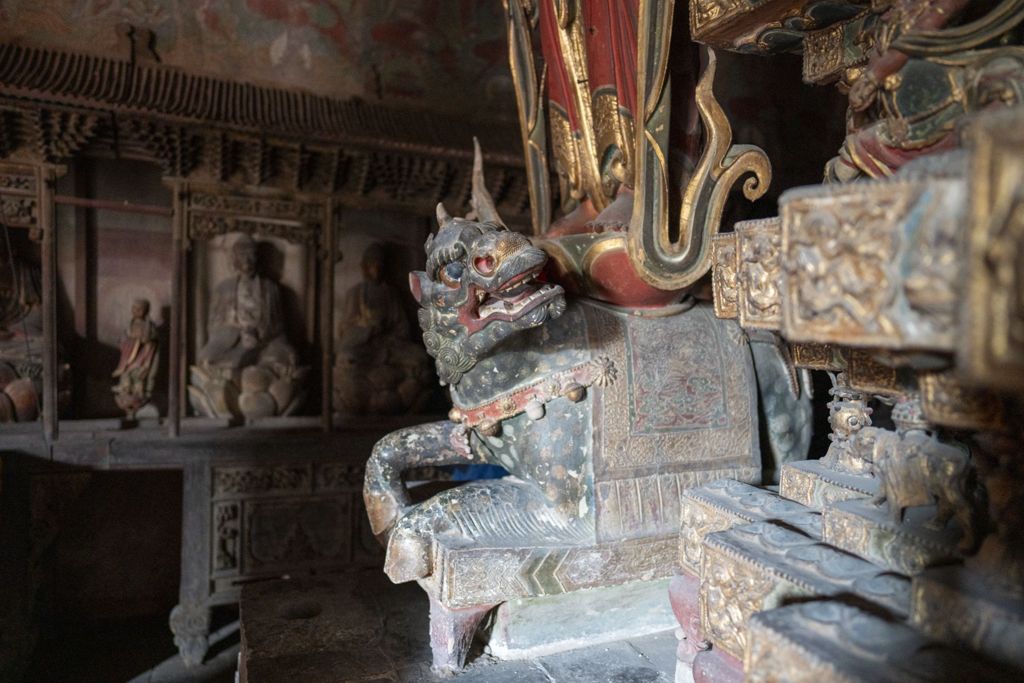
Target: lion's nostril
{"points": [[484, 264]]}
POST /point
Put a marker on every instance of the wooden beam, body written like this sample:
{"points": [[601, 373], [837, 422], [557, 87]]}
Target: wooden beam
{"points": [[176, 355], [111, 205], [47, 178], [327, 317]]}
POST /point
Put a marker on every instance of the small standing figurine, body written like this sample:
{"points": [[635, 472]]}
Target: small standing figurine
{"points": [[136, 371]]}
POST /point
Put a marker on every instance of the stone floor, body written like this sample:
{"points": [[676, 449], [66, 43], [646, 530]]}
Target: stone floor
{"points": [[360, 627], [138, 650]]}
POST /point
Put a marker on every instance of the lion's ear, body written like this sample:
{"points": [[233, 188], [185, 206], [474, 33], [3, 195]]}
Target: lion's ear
{"points": [[418, 282]]}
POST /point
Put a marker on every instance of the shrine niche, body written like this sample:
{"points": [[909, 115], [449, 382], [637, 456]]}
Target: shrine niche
{"points": [[137, 366], [109, 260], [21, 333], [380, 366], [251, 326]]}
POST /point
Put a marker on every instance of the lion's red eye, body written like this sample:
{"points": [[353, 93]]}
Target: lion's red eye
{"points": [[484, 264]]}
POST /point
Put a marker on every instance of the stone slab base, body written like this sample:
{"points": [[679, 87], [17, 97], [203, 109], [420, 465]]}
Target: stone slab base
{"points": [[831, 641], [725, 503], [868, 531], [956, 605], [534, 627], [760, 566], [812, 484], [358, 627]]}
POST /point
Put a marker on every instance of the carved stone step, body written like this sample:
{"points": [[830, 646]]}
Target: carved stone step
{"points": [[826, 640], [964, 607], [812, 484], [868, 531], [725, 503], [761, 566]]}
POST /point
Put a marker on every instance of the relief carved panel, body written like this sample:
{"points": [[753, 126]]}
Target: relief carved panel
{"points": [[724, 271], [873, 263], [760, 273]]}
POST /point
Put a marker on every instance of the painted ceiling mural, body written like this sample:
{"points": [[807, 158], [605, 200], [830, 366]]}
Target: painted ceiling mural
{"points": [[420, 53]]}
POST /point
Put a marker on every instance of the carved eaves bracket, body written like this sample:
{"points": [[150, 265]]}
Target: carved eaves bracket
{"points": [[56, 105]]}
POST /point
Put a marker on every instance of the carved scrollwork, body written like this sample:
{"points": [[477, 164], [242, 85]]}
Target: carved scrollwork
{"points": [[256, 480], [20, 211], [213, 214], [661, 261]]}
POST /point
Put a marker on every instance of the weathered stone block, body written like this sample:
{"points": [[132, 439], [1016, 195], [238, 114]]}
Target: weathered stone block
{"points": [[868, 531], [725, 503], [534, 627], [815, 485], [761, 566], [831, 641]]}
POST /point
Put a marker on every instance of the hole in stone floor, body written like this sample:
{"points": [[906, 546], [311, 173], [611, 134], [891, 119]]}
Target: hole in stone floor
{"points": [[301, 609]]}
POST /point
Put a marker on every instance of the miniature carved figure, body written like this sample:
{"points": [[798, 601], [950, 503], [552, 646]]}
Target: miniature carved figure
{"points": [[577, 401], [136, 370], [378, 370], [247, 368], [848, 416], [914, 468]]}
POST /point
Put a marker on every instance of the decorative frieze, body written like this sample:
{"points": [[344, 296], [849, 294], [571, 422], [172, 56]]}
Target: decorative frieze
{"points": [[873, 264], [816, 485], [262, 479], [725, 503], [868, 531], [827, 640], [757, 567]]}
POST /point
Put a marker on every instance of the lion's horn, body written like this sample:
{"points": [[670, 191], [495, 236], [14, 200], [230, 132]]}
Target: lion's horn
{"points": [[442, 214], [481, 200]]}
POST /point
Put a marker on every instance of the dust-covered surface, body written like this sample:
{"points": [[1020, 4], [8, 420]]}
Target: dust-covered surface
{"points": [[358, 626]]}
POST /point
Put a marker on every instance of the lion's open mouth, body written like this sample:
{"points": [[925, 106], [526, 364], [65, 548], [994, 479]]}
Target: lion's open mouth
{"points": [[515, 298]]}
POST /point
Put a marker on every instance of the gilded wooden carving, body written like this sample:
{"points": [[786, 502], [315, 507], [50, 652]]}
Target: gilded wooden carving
{"points": [[759, 256], [873, 265], [992, 330], [725, 272]]}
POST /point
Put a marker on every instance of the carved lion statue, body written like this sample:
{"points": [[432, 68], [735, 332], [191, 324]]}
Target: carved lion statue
{"points": [[601, 415]]}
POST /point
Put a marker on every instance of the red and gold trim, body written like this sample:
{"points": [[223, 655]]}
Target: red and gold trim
{"points": [[570, 383]]}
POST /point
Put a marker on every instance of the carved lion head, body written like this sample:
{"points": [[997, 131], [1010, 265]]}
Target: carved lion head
{"points": [[480, 285]]}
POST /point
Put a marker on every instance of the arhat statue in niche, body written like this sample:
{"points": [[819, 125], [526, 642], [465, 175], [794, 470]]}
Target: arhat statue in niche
{"points": [[378, 369], [247, 368], [21, 337], [136, 370]]}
